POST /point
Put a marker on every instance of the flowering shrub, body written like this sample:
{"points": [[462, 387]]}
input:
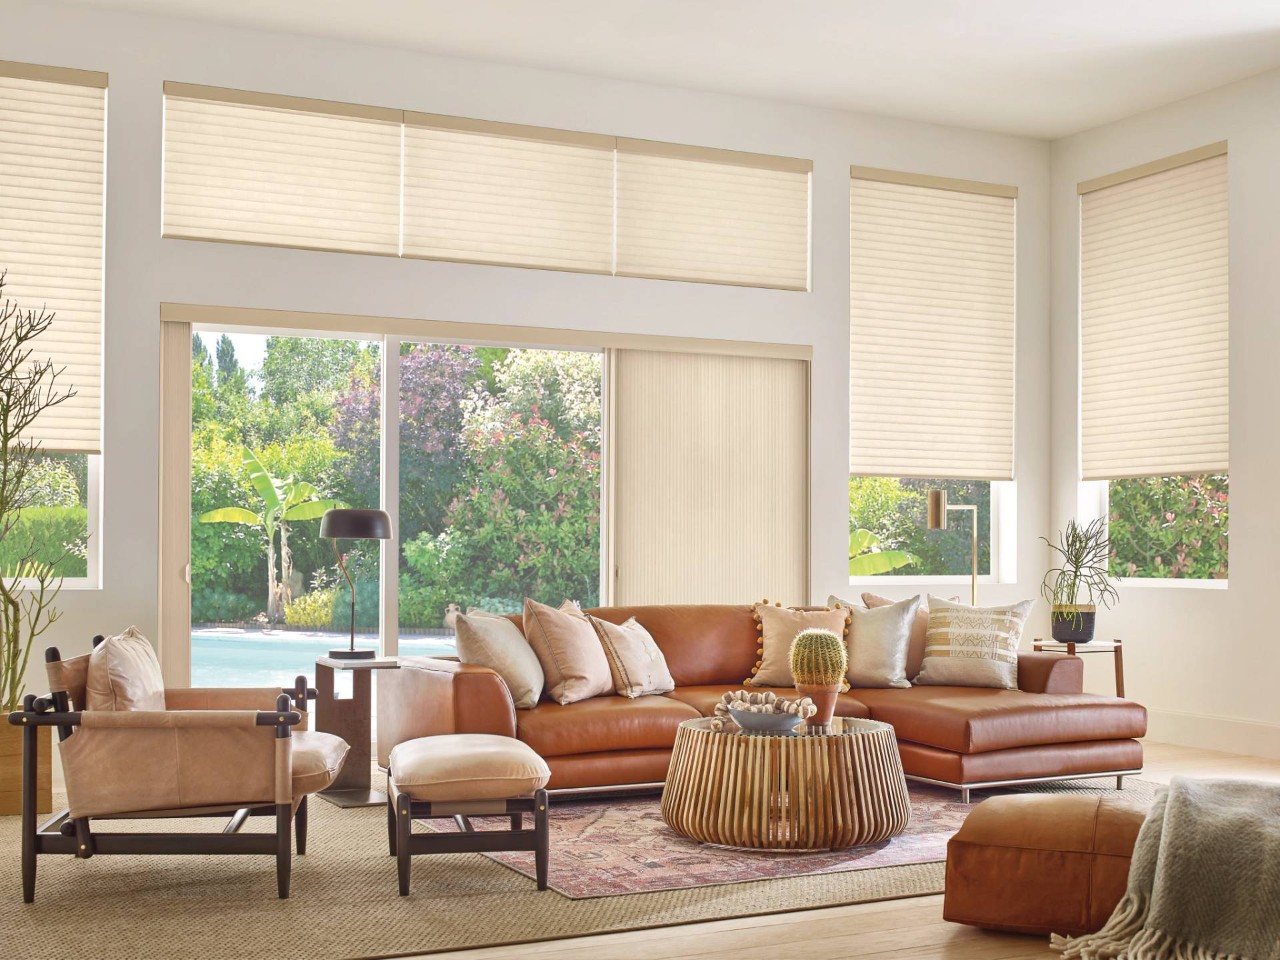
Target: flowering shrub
{"points": [[1169, 527]]}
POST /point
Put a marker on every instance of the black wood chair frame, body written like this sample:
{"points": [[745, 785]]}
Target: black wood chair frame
{"points": [[404, 844], [64, 834]]}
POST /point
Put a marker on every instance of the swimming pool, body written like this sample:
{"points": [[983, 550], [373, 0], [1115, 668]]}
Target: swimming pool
{"points": [[222, 657]]}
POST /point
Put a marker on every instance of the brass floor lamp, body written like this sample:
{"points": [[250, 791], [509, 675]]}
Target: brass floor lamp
{"points": [[936, 518]]}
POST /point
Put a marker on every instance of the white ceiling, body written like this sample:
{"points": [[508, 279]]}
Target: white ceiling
{"points": [[1042, 68]]}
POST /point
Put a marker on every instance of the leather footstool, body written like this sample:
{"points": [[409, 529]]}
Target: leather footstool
{"points": [[462, 776], [1042, 863]]}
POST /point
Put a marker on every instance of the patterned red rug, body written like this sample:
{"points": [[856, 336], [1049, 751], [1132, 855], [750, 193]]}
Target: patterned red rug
{"points": [[605, 848]]}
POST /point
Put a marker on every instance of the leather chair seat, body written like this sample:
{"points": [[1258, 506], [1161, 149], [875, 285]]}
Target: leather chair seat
{"points": [[317, 761], [704, 699], [979, 719], [1042, 863], [602, 724], [467, 766]]}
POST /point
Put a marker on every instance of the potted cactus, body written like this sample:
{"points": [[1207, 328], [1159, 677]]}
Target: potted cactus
{"points": [[818, 662]]}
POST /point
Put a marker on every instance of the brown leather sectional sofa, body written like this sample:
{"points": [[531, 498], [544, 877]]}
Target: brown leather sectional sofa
{"points": [[963, 737]]}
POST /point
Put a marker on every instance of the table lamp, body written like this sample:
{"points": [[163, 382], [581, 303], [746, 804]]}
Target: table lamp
{"points": [[349, 524], [936, 519]]}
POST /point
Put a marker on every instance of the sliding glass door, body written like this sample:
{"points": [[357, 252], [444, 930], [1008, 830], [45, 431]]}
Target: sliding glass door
{"points": [[495, 493]]}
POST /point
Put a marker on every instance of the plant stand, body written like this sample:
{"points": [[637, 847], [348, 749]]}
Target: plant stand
{"points": [[1093, 646]]}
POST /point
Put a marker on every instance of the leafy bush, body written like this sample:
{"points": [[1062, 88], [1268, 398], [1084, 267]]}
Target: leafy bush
{"points": [[314, 609], [52, 535], [1169, 527], [368, 605], [50, 482], [222, 606], [894, 511]]}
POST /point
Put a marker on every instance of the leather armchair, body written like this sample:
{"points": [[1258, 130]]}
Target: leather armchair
{"points": [[213, 751]]}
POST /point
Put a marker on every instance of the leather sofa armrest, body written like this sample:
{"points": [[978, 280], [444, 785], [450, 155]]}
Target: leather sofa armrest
{"points": [[1050, 673], [427, 696]]}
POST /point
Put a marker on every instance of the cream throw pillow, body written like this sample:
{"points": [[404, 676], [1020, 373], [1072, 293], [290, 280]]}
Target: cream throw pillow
{"points": [[973, 646], [637, 665], [878, 641], [572, 658], [124, 674], [915, 647], [778, 626], [495, 642]]}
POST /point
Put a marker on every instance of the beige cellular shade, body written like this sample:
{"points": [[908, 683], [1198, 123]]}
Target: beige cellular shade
{"points": [[256, 173], [931, 331], [51, 229], [715, 216], [1153, 324], [508, 195], [710, 468]]}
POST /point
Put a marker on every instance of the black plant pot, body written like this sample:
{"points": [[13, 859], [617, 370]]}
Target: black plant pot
{"points": [[1073, 624]]}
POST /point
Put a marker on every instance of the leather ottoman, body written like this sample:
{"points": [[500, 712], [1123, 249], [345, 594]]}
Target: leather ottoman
{"points": [[1042, 863]]}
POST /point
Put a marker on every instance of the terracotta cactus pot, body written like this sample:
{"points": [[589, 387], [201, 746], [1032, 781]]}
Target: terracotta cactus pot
{"points": [[824, 698]]}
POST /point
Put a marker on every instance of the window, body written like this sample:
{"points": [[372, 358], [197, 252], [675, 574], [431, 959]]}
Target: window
{"points": [[888, 535], [1154, 362], [51, 230], [260, 168], [1169, 527], [932, 330], [499, 481], [278, 434]]}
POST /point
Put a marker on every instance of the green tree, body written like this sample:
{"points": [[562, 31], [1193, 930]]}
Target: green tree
{"points": [[280, 501], [294, 367]]}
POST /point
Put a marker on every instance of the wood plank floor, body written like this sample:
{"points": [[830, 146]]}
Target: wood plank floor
{"points": [[907, 929]]}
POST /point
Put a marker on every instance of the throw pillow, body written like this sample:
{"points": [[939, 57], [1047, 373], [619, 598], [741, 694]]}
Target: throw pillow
{"points": [[495, 642], [915, 646], [973, 646], [124, 674], [878, 642], [834, 601], [637, 665], [572, 658], [778, 626]]}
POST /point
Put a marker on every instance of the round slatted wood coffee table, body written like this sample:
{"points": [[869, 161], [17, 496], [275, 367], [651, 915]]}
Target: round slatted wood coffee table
{"points": [[805, 791]]}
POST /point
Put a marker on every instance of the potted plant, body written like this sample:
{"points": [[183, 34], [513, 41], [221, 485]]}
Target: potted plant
{"points": [[1080, 581], [28, 587], [818, 663]]}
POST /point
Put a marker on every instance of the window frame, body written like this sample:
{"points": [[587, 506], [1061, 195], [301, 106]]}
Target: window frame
{"points": [[1004, 548], [1093, 503]]}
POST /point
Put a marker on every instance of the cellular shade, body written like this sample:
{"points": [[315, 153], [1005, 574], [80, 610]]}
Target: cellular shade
{"points": [[710, 478], [931, 327], [259, 169], [686, 213], [499, 193], [1153, 321], [51, 228]]}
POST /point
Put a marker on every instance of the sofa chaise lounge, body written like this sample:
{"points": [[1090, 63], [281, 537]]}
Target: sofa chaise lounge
{"points": [[960, 737]]}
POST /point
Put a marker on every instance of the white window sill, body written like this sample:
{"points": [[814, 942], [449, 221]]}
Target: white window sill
{"points": [[79, 583], [1176, 583]]}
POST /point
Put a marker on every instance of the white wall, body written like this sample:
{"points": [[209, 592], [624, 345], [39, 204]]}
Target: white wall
{"points": [[1201, 659], [141, 52]]}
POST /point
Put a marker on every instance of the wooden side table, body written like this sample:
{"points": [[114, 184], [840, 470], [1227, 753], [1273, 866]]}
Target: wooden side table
{"points": [[350, 720], [1093, 646]]}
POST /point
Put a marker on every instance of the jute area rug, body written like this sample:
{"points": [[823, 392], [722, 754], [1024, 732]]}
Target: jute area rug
{"points": [[344, 902]]}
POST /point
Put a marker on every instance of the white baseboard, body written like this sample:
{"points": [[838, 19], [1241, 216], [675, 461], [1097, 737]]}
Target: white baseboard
{"points": [[1250, 737]]}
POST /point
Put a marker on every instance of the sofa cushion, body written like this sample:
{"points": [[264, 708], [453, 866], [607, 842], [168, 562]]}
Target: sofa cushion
{"points": [[978, 719], [467, 766], [704, 699], [778, 627], [572, 659], [492, 641], [702, 643], [124, 674], [602, 724], [973, 646], [317, 761]]}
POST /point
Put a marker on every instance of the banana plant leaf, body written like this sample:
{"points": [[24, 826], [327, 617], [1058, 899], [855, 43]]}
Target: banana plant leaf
{"points": [[232, 515], [866, 559]]}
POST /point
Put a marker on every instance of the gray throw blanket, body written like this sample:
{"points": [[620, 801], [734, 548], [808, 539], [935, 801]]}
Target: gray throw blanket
{"points": [[1204, 883]]}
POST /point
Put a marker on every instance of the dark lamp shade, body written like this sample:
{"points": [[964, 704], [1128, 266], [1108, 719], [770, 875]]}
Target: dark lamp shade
{"points": [[356, 525]]}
